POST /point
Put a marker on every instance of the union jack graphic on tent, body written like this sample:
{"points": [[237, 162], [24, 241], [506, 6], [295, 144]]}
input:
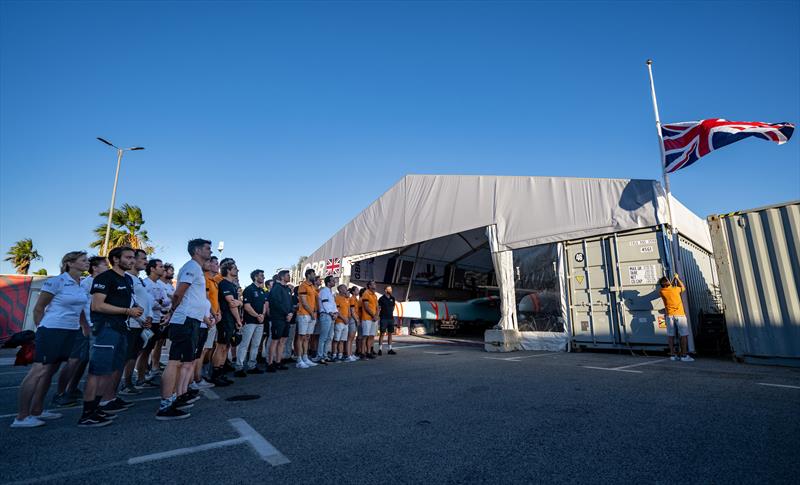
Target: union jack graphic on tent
{"points": [[333, 267], [685, 143]]}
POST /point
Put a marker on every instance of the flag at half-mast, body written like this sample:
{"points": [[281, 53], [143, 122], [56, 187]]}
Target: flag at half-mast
{"points": [[685, 143]]}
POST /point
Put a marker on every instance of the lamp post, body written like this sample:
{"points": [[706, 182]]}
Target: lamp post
{"points": [[114, 191]]}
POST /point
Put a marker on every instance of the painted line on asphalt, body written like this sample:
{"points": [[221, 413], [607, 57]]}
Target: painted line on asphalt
{"points": [[211, 395], [640, 364], [7, 361], [258, 443], [520, 357], [615, 370], [786, 386], [185, 451], [14, 373]]}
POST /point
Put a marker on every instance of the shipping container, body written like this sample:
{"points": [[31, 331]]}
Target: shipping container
{"points": [[613, 292], [757, 254]]}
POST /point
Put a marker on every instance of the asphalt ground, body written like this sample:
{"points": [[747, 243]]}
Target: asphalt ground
{"points": [[441, 413]]}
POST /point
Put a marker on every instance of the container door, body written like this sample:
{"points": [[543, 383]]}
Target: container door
{"points": [[638, 265], [591, 305]]}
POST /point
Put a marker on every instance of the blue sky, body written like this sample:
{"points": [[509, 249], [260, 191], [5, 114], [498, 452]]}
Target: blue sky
{"points": [[270, 125]]}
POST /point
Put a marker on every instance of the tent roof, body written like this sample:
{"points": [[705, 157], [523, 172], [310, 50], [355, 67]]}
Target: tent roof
{"points": [[527, 211]]}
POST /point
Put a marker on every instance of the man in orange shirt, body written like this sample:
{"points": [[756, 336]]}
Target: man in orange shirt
{"points": [[353, 324], [213, 278], [306, 316], [369, 320], [676, 317]]}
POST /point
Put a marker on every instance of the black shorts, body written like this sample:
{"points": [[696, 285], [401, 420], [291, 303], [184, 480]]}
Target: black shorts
{"points": [[202, 336], [183, 338], [54, 345], [135, 343], [225, 331], [80, 349], [387, 325], [158, 334], [279, 329]]}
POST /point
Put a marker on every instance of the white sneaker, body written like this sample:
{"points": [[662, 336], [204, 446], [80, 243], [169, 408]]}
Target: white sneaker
{"points": [[352, 358], [47, 415], [674, 358], [28, 422], [204, 384], [301, 365], [194, 386], [309, 363], [687, 358], [316, 359]]}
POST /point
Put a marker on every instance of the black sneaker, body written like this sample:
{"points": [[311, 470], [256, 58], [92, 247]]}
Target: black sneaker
{"points": [[240, 373], [181, 402], [220, 382], [282, 367], [228, 367], [113, 407], [369, 356], [171, 413], [193, 392], [103, 414], [125, 403], [190, 398], [93, 420], [255, 370], [64, 400], [289, 361], [272, 368], [391, 352]]}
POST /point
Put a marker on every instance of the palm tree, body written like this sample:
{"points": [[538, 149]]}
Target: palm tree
{"points": [[126, 230], [40, 272], [22, 254]]}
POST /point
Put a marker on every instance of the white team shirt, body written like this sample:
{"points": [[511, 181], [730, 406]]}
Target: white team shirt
{"points": [[326, 302], [193, 303], [69, 301], [142, 298], [86, 284], [157, 292]]}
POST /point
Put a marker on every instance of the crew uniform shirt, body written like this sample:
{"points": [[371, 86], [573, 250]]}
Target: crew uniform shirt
{"points": [[256, 297], [141, 297], [369, 298], [157, 294], [192, 305], [119, 293], [69, 301], [343, 306], [307, 290], [227, 288], [326, 301], [386, 302], [672, 301], [86, 284], [212, 290]]}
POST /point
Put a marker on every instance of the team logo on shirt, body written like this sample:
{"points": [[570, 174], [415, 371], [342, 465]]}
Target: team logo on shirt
{"points": [[99, 286]]}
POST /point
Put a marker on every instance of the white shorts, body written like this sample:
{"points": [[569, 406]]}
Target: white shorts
{"points": [[212, 337], [305, 325], [368, 328], [680, 322], [340, 332], [351, 327]]}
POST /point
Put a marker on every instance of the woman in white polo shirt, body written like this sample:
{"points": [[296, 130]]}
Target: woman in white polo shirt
{"points": [[59, 316]]}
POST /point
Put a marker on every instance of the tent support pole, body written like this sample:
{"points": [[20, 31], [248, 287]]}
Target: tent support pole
{"points": [[413, 272]]}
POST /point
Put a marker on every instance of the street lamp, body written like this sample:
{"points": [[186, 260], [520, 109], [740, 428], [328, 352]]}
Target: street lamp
{"points": [[114, 192]]}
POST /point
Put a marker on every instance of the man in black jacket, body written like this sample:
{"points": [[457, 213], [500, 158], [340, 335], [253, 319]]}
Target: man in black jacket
{"points": [[280, 314]]}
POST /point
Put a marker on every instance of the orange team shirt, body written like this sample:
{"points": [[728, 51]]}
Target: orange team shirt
{"points": [[307, 289], [212, 291], [672, 301], [369, 297], [343, 307], [355, 304]]}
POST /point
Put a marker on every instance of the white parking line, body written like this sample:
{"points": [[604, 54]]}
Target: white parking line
{"points": [[625, 368], [520, 357], [7, 360], [185, 451], [261, 446], [778, 385], [211, 395]]}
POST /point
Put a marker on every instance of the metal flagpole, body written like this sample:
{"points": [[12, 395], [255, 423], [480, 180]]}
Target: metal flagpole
{"points": [[664, 175]]}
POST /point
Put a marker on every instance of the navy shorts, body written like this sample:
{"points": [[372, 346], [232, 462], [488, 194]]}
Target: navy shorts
{"points": [[54, 345], [225, 331], [183, 340], [135, 343], [279, 329], [80, 349], [109, 349], [387, 325], [202, 336]]}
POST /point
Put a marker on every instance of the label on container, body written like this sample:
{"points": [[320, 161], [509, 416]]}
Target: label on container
{"points": [[642, 242], [646, 249], [643, 275]]}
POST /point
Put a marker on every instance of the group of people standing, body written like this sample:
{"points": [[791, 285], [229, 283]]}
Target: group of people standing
{"points": [[116, 324]]}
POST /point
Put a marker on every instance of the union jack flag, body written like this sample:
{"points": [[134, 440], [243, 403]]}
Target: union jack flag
{"points": [[685, 143], [333, 267]]}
